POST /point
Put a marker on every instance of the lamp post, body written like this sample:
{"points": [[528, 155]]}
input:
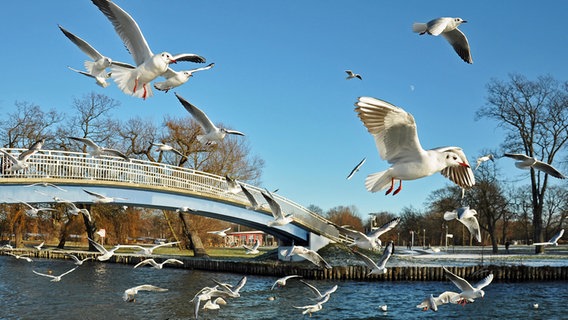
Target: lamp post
{"points": [[424, 238], [446, 238], [411, 239]]}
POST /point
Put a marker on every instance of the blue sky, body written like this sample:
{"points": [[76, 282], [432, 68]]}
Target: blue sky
{"points": [[279, 76]]}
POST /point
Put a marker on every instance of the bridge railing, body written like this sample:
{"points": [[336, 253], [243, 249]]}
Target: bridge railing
{"points": [[67, 165]]}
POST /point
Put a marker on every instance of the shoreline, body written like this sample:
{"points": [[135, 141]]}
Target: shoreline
{"points": [[348, 272]]}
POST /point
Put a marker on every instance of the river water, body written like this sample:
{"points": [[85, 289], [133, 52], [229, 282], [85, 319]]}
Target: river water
{"points": [[94, 291]]}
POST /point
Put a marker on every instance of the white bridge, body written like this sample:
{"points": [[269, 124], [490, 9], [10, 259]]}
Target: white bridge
{"points": [[155, 185]]}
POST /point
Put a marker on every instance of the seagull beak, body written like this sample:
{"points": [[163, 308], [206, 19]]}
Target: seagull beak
{"points": [[463, 164], [173, 61], [464, 21]]}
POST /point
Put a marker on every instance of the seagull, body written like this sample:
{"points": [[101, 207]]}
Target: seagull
{"points": [[396, 138], [371, 240], [99, 198], [39, 246], [149, 66], [535, 305], [351, 75], [379, 267], [212, 134], [97, 68], [357, 167], [253, 249], [21, 162], [97, 151], [467, 290], [215, 305], [279, 218], [317, 293], [73, 210], [231, 291], [309, 255], [466, 216], [147, 251], [553, 241], [526, 162], [282, 281], [156, 265], [165, 147], [129, 294], [34, 211], [55, 278], [78, 261], [254, 205], [309, 309], [177, 78], [448, 28], [482, 159], [446, 297], [232, 185], [220, 233], [206, 294], [106, 254], [22, 256], [383, 308], [46, 184]]}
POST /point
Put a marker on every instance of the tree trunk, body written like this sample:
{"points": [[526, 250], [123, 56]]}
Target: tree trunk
{"points": [[194, 242], [538, 230], [63, 233], [90, 226]]}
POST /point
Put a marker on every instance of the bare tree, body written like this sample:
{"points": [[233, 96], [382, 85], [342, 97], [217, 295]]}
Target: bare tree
{"points": [[534, 115], [28, 124]]}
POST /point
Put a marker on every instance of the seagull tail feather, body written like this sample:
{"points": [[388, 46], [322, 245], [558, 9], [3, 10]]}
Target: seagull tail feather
{"points": [[89, 66], [125, 79], [419, 27], [378, 181]]}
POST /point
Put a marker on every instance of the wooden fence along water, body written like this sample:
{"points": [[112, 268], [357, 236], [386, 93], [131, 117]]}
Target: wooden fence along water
{"points": [[508, 273]]}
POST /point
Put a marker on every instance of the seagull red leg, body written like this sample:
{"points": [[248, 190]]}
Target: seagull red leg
{"points": [[135, 85], [392, 186], [399, 188]]}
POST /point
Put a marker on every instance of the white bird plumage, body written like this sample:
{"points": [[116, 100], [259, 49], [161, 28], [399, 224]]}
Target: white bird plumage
{"points": [[232, 185], [526, 162], [220, 233], [484, 158], [397, 141], [21, 161], [371, 240], [129, 294], [468, 291], [106, 254], [20, 256], [147, 251], [448, 28], [307, 254], [54, 278], [281, 282], [466, 216], [252, 249], [96, 151], [78, 261], [380, 267], [351, 75], [165, 147], [101, 198], [280, 218], [212, 134], [446, 297], [177, 78], [553, 241], [254, 205], [149, 66], [156, 265]]}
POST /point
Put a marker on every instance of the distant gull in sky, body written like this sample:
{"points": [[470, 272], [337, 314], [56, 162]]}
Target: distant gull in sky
{"points": [[97, 68], [448, 28], [466, 216], [212, 134], [553, 241], [526, 162], [357, 167], [351, 75], [54, 278], [156, 265], [484, 158], [165, 147], [149, 66], [397, 141], [96, 151], [467, 290], [177, 78], [129, 294]]}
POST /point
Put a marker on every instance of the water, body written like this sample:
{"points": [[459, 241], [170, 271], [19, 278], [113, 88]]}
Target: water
{"points": [[94, 291]]}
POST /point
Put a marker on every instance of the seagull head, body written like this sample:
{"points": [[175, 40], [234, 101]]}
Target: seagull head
{"points": [[453, 160], [168, 57]]}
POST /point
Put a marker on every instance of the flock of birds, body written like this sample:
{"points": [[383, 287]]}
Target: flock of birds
{"points": [[394, 131]]}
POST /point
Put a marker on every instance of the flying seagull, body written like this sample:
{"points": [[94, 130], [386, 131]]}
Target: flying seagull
{"points": [[446, 297], [397, 141], [254, 205], [46, 184], [39, 246], [232, 185], [129, 294], [351, 75], [281, 282], [96, 69], [252, 249], [221, 233], [106, 254], [309, 309], [212, 134], [371, 240], [149, 66], [466, 216], [21, 162], [55, 278], [32, 211], [307, 254], [177, 78], [379, 267], [484, 158], [448, 28], [357, 167], [318, 295], [96, 151], [21, 256], [280, 218], [78, 261], [100, 198], [526, 162], [147, 251], [156, 265], [165, 147], [467, 290], [553, 241]]}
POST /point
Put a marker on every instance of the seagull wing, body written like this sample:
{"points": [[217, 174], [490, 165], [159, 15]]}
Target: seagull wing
{"points": [[67, 272], [351, 233], [458, 281], [460, 175], [313, 289], [548, 169], [234, 132], [43, 274], [98, 246], [557, 236], [386, 255], [517, 156], [189, 57], [393, 128], [94, 194], [116, 153], [274, 206], [86, 141], [484, 282], [460, 44], [357, 167], [11, 157], [171, 260], [368, 261], [384, 228], [145, 262], [315, 258], [82, 72], [437, 26], [127, 29], [199, 115], [149, 287], [82, 44], [207, 67], [472, 225]]}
